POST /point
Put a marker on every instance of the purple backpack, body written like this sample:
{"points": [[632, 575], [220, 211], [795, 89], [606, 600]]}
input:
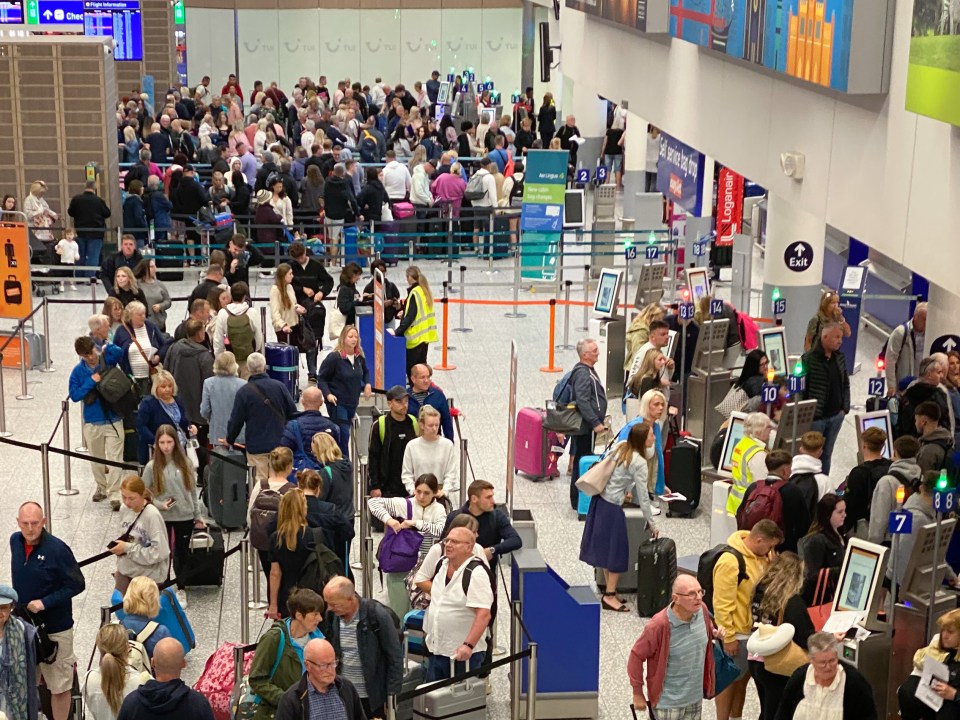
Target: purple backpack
{"points": [[399, 551]]}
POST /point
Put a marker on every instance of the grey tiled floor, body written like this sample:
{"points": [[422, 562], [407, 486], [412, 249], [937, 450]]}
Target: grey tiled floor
{"points": [[479, 386]]}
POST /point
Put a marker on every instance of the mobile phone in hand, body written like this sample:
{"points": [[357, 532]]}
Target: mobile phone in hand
{"points": [[170, 503]]}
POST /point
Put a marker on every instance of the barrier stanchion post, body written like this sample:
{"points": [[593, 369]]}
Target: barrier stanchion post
{"points": [[551, 366], [46, 341], [516, 289], [24, 395], [447, 290], [462, 328], [444, 363], [105, 615], [463, 469], [532, 682], [516, 666], [244, 594], [93, 296], [367, 547], [263, 322], [68, 488], [3, 410], [391, 706], [256, 603], [586, 299], [489, 245], [83, 440], [45, 471], [567, 284]]}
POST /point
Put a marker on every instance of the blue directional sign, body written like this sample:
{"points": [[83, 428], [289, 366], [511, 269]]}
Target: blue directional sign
{"points": [[55, 12], [876, 386], [652, 252], [900, 523], [768, 393], [779, 306], [944, 501], [583, 176], [699, 249], [797, 383], [601, 174], [716, 308], [686, 311], [630, 253]]}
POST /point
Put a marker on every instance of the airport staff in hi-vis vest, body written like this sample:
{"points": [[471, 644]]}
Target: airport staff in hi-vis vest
{"points": [[748, 462]]}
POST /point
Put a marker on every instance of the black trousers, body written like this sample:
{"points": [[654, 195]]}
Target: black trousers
{"points": [[178, 532], [913, 709], [770, 687], [417, 355]]}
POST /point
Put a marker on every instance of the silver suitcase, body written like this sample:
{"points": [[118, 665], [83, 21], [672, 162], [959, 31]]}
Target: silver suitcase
{"points": [[637, 534], [466, 700]]}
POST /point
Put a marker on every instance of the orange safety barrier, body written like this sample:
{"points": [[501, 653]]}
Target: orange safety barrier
{"points": [[444, 365], [551, 367]]}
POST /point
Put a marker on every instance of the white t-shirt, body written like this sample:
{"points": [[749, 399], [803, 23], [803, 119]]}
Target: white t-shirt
{"points": [[451, 613]]}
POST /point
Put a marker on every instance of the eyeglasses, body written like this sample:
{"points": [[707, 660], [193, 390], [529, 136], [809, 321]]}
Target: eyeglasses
{"points": [[692, 595], [322, 666]]}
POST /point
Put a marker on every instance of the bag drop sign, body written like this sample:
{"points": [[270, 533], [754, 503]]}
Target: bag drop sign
{"points": [[798, 256], [16, 301]]}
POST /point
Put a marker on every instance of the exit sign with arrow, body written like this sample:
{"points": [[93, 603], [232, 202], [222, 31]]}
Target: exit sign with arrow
{"points": [[945, 344], [799, 256]]}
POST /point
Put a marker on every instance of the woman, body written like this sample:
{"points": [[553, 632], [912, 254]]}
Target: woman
{"points": [[419, 325], [279, 467], [240, 202], [649, 374], [219, 393], [286, 640], [448, 188], [653, 404], [347, 297], [18, 661], [162, 407], [433, 454], [38, 212], [9, 207], [337, 530], [825, 688], [341, 377], [267, 222], [372, 197], [604, 543], [311, 199], [161, 209], [777, 599], [754, 373], [943, 648], [140, 341], [219, 192], [422, 514], [823, 549], [547, 119], [141, 605], [952, 383], [338, 488], [391, 293], [142, 549], [285, 312], [130, 149], [125, 287], [113, 309], [172, 480], [291, 544], [828, 312], [105, 687], [612, 150], [134, 214], [155, 294]]}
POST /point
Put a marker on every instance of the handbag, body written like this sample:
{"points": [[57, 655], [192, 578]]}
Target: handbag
{"points": [[191, 452], [303, 337], [562, 418], [820, 611], [735, 399], [117, 389], [726, 670], [337, 322], [386, 213], [786, 661], [594, 481], [45, 647]]}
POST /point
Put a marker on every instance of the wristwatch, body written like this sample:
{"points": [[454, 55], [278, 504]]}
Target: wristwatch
{"points": [[468, 644]]}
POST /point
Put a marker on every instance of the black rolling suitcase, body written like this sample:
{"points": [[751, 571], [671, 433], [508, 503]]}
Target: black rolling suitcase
{"points": [[227, 488], [206, 558], [131, 441], [169, 269], [684, 478], [657, 570]]}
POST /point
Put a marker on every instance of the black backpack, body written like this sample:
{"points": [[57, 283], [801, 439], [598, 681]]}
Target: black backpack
{"points": [[321, 565], [807, 483], [706, 565]]}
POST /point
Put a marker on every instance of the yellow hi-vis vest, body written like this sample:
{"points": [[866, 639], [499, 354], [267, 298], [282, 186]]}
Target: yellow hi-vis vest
{"points": [[742, 454], [424, 328]]}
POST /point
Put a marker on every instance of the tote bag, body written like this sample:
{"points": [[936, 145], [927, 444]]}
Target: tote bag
{"points": [[735, 399], [594, 481], [819, 611]]}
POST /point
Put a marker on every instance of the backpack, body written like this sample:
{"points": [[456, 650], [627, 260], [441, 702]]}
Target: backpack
{"points": [[706, 565], [139, 658], [475, 190], [216, 682], [321, 565], [490, 141], [749, 331], [302, 460], [807, 482], [382, 426], [764, 502], [467, 576], [517, 190], [882, 355], [240, 334], [563, 390], [264, 513], [398, 551], [369, 150]]}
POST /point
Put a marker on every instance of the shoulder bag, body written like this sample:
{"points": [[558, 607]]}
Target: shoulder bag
{"points": [[153, 369], [563, 418], [594, 481], [735, 399], [820, 610]]}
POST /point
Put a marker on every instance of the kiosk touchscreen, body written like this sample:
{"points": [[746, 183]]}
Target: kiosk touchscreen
{"points": [[861, 577], [608, 291], [773, 342], [574, 208], [881, 420], [734, 435], [915, 579], [698, 281]]}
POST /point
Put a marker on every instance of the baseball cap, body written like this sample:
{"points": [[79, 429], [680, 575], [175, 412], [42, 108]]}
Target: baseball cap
{"points": [[8, 595], [397, 392]]}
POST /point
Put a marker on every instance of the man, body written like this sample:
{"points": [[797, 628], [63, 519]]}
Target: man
{"points": [[248, 164], [311, 283], [807, 471], [732, 599], [389, 437], [102, 427], [200, 311], [829, 385], [748, 460], [862, 480], [263, 407], [677, 648], [927, 387], [422, 198], [128, 256], [308, 423], [321, 694], [433, 87], [202, 93], [396, 178], [366, 640], [212, 279], [166, 696], [99, 330], [567, 133], [239, 326], [290, 186], [591, 398], [424, 392], [792, 516], [142, 169], [499, 153], [189, 198], [241, 256], [232, 86], [190, 362], [658, 339], [89, 213], [268, 168], [904, 349], [905, 472], [495, 535], [46, 578], [456, 622], [935, 441], [339, 204], [920, 506]]}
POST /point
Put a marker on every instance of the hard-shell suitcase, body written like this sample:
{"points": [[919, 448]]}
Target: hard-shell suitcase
{"points": [[530, 445], [34, 352], [583, 501], [636, 535], [227, 488], [413, 635], [206, 558], [684, 478], [465, 700], [283, 364], [171, 615], [657, 565], [169, 269]]}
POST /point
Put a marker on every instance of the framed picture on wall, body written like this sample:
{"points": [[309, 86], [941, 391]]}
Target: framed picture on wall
{"points": [[773, 342]]}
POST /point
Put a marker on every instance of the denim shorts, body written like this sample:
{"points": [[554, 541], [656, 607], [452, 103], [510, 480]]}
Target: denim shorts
{"points": [[614, 162]]}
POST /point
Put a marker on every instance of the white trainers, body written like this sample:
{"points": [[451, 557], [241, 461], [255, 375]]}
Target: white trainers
{"points": [[182, 598]]}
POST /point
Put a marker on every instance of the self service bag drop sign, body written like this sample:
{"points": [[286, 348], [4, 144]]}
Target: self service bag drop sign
{"points": [[16, 301]]}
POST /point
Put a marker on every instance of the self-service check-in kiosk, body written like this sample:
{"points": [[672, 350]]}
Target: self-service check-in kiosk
{"points": [[709, 382], [609, 330]]}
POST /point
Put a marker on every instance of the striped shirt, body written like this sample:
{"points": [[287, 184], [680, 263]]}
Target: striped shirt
{"points": [[683, 681], [139, 366], [325, 705], [352, 667]]}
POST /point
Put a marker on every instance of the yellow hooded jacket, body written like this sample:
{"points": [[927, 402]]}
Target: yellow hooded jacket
{"points": [[732, 602]]}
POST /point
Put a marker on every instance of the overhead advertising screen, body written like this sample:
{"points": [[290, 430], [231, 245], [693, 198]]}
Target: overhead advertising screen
{"points": [[117, 19], [11, 13], [933, 77]]}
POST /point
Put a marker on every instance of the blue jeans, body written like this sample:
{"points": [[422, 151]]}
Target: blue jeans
{"points": [[438, 666], [90, 247], [830, 428], [344, 423]]}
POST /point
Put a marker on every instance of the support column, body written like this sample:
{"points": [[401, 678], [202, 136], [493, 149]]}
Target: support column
{"points": [[634, 164], [787, 224], [528, 47]]}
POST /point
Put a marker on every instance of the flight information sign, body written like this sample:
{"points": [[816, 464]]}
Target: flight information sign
{"points": [[117, 19], [11, 13]]}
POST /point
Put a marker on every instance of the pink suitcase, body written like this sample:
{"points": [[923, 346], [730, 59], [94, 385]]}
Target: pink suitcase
{"points": [[536, 450]]}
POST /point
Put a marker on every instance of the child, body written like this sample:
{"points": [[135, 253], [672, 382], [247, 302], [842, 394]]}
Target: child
{"points": [[69, 252]]}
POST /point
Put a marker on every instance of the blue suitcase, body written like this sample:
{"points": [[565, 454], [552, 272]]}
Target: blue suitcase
{"points": [[171, 616], [583, 503], [283, 364]]}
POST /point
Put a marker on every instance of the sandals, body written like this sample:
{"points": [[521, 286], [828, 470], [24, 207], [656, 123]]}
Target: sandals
{"points": [[606, 606]]}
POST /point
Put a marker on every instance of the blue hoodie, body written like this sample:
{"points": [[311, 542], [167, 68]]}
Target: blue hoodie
{"points": [[172, 699], [82, 384]]}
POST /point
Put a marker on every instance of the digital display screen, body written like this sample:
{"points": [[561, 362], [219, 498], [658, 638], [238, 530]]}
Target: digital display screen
{"points": [[606, 300], [735, 434], [855, 587], [117, 19], [881, 422], [11, 13]]}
